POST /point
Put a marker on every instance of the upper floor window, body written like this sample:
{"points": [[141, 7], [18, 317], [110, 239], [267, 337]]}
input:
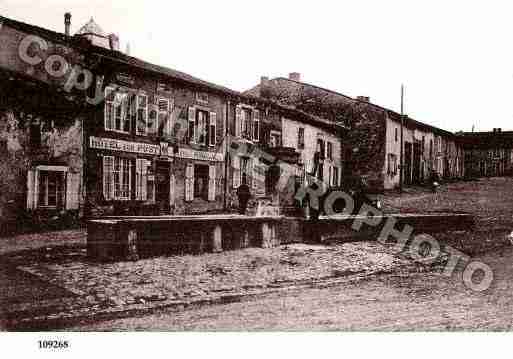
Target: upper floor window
{"points": [[301, 138], [396, 134], [202, 127], [321, 149], [329, 150], [274, 139], [142, 114], [163, 117], [118, 110]]}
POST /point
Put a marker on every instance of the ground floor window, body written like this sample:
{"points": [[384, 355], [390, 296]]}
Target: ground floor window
{"points": [[144, 180], [392, 164], [51, 189], [201, 181], [117, 179]]}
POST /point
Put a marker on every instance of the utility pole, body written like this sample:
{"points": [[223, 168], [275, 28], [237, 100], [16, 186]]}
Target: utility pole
{"points": [[401, 153]]}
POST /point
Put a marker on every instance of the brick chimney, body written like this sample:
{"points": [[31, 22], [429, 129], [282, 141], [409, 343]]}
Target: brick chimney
{"points": [[114, 42], [363, 98], [295, 76], [67, 23]]}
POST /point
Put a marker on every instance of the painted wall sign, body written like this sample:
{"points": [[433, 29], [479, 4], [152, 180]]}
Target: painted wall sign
{"points": [[123, 146], [125, 79], [150, 149]]}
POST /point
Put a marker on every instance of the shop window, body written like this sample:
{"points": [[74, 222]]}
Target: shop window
{"points": [[116, 178], [301, 138], [118, 110], [144, 186], [51, 189]]}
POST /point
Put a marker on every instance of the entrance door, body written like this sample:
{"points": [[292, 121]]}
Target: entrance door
{"points": [[162, 185], [407, 162]]}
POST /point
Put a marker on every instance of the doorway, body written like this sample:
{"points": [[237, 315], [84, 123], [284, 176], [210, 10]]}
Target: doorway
{"points": [[162, 185]]}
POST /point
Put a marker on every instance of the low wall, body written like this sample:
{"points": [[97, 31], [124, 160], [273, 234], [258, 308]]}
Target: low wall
{"points": [[130, 238]]}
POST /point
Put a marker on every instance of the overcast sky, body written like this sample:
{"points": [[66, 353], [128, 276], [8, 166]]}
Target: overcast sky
{"points": [[455, 58]]}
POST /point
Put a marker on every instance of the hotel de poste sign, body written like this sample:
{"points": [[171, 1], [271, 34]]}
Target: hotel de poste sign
{"points": [[151, 149]]}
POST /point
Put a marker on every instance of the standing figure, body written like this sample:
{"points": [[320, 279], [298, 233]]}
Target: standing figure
{"points": [[244, 195]]}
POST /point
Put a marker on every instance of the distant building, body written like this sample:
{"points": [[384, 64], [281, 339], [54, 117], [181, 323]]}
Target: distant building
{"points": [[488, 154], [371, 145]]}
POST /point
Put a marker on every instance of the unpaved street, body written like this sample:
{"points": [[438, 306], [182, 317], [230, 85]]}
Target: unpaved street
{"points": [[421, 301]]}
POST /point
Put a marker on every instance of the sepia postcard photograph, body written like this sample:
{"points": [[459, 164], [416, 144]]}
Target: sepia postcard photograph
{"points": [[232, 169]]}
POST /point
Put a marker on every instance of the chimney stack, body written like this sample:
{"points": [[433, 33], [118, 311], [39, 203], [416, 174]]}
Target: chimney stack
{"points": [[295, 76], [67, 23], [363, 98], [114, 42]]}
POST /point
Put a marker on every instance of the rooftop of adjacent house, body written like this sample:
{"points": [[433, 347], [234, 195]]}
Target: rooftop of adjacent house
{"points": [[295, 78]]}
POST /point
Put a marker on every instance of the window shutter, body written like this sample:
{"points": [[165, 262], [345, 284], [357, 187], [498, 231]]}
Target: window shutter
{"points": [[238, 121], [192, 118], [168, 131], [256, 125], [189, 182], [108, 185], [236, 171], [254, 176], [212, 183], [212, 129], [31, 175], [172, 186], [72, 189]]}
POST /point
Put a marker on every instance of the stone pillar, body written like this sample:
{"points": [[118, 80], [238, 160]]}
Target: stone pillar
{"points": [[217, 239]]}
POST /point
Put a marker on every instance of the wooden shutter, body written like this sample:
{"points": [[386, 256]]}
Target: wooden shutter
{"points": [[212, 129], [189, 182], [172, 186], [192, 118], [212, 183], [253, 164], [236, 171], [108, 185], [31, 175], [72, 190], [256, 125], [168, 131], [238, 121]]}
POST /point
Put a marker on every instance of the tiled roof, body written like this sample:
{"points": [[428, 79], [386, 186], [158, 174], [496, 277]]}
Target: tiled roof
{"points": [[408, 120]]}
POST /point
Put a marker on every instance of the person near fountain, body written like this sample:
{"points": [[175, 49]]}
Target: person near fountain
{"points": [[244, 195]]}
